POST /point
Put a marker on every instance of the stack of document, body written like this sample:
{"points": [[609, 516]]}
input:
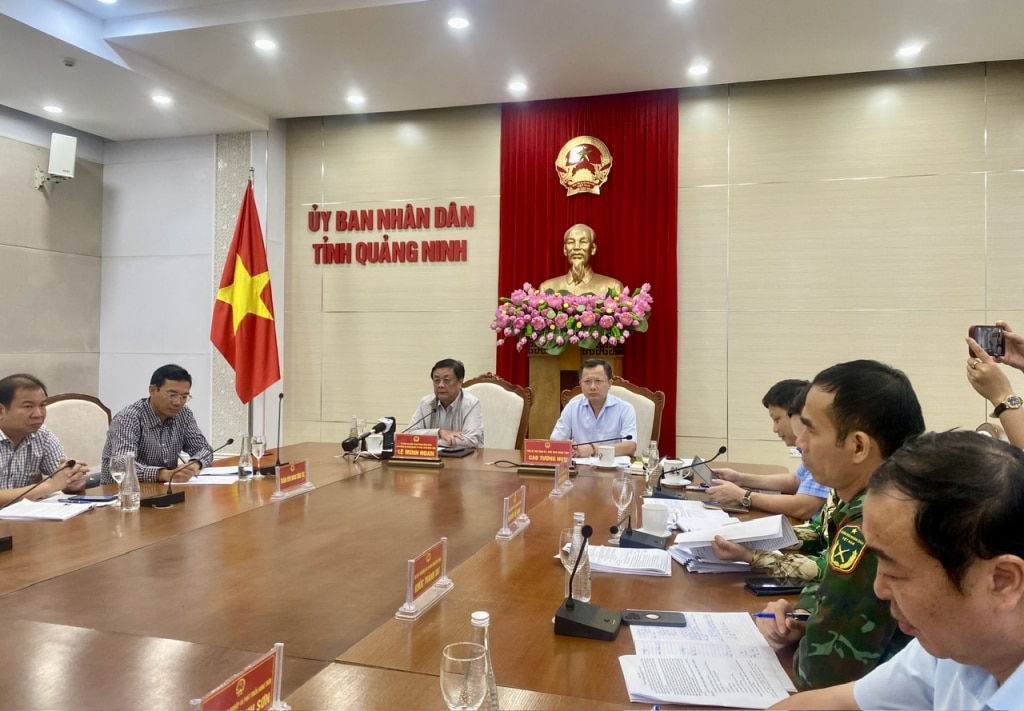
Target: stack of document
{"points": [[718, 659], [712, 564], [765, 534], [632, 561], [693, 515]]}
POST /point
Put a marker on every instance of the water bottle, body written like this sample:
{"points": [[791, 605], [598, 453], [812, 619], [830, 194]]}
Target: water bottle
{"points": [[481, 635], [130, 491], [353, 431], [580, 583], [652, 467], [245, 459]]}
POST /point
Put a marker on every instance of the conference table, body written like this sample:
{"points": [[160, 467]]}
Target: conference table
{"points": [[152, 608]]}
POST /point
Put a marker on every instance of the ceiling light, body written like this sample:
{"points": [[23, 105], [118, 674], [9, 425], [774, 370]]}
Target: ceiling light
{"points": [[355, 99], [517, 86], [53, 109], [909, 51], [162, 99], [265, 44], [697, 70], [681, 2], [108, 2], [458, 23]]}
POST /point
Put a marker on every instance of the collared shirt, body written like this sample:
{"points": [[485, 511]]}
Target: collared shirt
{"points": [[156, 445], [463, 415], [914, 679], [808, 485], [39, 453], [616, 421]]}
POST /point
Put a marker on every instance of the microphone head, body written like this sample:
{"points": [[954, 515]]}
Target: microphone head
{"points": [[380, 427], [280, 396], [587, 531], [628, 437], [231, 440], [722, 450]]}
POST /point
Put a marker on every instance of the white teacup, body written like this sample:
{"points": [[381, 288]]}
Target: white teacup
{"points": [[655, 518], [606, 456], [375, 443]]}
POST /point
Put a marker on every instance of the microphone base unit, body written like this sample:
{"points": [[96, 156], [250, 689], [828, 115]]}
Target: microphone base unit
{"points": [[164, 501], [587, 621], [6, 543], [662, 494], [270, 471], [633, 538]]}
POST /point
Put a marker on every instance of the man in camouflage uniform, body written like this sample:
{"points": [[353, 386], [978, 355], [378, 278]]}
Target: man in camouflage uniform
{"points": [[855, 416]]}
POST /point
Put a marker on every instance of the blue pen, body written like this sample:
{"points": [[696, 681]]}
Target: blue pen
{"points": [[802, 616]]}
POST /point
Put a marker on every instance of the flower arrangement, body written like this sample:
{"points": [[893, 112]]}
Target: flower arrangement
{"points": [[554, 321]]}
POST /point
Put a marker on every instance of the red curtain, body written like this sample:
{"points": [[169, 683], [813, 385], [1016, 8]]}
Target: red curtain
{"points": [[634, 217]]}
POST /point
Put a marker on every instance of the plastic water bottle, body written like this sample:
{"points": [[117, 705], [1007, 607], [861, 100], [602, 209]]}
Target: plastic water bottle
{"points": [[580, 583], [652, 467], [130, 491], [353, 431], [481, 635]]}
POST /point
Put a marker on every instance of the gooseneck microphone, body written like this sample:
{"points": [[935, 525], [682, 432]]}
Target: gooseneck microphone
{"points": [[632, 538], [721, 450], [69, 464], [576, 618], [352, 442], [277, 462], [170, 498], [437, 403]]}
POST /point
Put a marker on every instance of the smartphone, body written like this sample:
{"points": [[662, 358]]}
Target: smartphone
{"points": [[90, 499], [990, 338], [774, 586], [653, 617]]}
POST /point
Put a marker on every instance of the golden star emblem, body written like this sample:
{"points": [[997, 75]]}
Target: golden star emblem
{"points": [[243, 295]]}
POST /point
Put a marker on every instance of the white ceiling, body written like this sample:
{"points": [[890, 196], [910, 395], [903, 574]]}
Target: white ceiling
{"points": [[401, 54]]}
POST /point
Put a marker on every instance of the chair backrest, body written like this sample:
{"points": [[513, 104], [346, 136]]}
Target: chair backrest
{"points": [[506, 410], [648, 404], [80, 423]]}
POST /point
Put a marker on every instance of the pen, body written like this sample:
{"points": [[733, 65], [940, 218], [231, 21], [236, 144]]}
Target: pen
{"points": [[802, 616]]}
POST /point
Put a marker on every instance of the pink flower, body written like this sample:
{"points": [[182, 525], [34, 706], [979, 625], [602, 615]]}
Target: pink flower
{"points": [[518, 296], [626, 319], [561, 320], [588, 318], [555, 301], [519, 324], [573, 340], [604, 339], [538, 322], [507, 332], [560, 341], [534, 300], [607, 322], [501, 341]]}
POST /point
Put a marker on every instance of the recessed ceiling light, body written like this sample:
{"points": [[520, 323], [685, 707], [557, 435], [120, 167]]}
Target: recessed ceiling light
{"points": [[355, 99], [682, 2], [458, 23], [162, 99], [697, 70], [108, 2], [517, 86], [908, 51], [53, 109], [265, 44]]}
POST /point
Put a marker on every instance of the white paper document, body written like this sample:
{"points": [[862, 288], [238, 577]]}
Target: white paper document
{"points": [[693, 515], [44, 510], [633, 561], [221, 471], [210, 480], [718, 659], [709, 564], [624, 461], [766, 534]]}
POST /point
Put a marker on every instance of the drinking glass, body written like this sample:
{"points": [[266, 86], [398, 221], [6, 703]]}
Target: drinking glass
{"points": [[652, 466], [622, 497], [259, 448], [567, 556], [117, 473], [464, 676]]}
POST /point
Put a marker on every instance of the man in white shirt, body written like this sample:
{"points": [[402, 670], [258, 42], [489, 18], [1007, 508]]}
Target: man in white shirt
{"points": [[451, 413], [943, 516], [598, 416]]}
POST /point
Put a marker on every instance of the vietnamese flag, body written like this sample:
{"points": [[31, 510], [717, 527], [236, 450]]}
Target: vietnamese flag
{"points": [[243, 315]]}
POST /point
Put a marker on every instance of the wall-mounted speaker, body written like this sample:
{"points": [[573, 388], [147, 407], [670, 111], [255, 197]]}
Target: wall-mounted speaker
{"points": [[62, 155]]}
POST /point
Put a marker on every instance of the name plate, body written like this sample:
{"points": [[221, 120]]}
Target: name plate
{"points": [[252, 689], [513, 518], [416, 446], [292, 480], [562, 481], [546, 452], [427, 581]]}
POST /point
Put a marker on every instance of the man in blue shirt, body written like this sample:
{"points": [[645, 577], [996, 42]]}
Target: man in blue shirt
{"points": [[597, 416], [942, 516]]}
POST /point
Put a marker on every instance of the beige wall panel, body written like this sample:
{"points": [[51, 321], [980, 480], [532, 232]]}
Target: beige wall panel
{"points": [[704, 447], [702, 374], [903, 243], [414, 155], [51, 301], [296, 431], [402, 287], [61, 372], [303, 365], [1005, 244], [303, 286], [1005, 104], [918, 122], [704, 136], [703, 268], [927, 345], [757, 452], [377, 365]]}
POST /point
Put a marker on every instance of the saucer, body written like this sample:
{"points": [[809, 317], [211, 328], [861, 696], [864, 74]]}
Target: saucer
{"points": [[674, 482]]}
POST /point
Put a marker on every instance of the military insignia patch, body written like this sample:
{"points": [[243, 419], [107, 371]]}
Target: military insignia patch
{"points": [[847, 549]]}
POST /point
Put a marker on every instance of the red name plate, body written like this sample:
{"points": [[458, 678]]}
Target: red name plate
{"points": [[546, 452], [515, 507], [415, 446], [426, 570], [292, 476], [251, 690], [562, 474]]}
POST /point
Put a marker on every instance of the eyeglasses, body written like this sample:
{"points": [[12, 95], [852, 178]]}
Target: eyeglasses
{"points": [[178, 397], [590, 381]]}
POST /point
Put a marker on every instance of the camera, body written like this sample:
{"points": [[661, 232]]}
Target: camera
{"points": [[990, 338]]}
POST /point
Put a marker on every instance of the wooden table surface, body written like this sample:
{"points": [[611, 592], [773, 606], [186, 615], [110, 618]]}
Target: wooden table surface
{"points": [[208, 585]]}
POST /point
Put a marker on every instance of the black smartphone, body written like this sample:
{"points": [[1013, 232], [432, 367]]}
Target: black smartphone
{"points": [[90, 499], [990, 338], [774, 586], [653, 617]]}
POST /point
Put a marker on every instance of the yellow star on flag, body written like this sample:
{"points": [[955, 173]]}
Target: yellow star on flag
{"points": [[243, 295]]}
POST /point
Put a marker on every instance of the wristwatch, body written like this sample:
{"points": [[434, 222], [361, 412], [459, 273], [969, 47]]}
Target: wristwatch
{"points": [[1011, 403], [746, 496]]}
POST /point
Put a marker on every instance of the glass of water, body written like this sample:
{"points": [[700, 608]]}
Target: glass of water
{"points": [[259, 448], [463, 676], [117, 473]]}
